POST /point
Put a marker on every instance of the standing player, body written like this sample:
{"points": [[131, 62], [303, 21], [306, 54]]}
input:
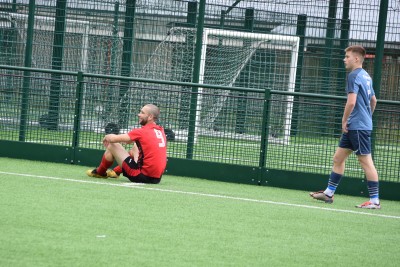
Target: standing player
{"points": [[146, 161], [356, 128]]}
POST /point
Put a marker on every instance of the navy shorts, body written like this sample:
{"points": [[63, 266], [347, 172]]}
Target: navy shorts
{"points": [[357, 140], [131, 170]]}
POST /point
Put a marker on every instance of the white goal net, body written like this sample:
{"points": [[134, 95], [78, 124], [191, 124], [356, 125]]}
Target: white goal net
{"points": [[229, 58]]}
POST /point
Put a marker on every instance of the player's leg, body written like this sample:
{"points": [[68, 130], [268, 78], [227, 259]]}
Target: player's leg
{"points": [[101, 171], [127, 161], [134, 153], [368, 166], [118, 152], [116, 171], [131, 169], [365, 158], [339, 162]]}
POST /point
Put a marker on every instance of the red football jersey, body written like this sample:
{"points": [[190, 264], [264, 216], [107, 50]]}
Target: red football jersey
{"points": [[152, 145]]}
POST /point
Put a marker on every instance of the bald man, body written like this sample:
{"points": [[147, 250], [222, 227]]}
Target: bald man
{"points": [[146, 161]]}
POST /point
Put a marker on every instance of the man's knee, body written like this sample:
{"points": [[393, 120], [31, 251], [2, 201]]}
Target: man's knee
{"points": [[118, 151], [338, 160], [365, 160], [341, 155], [112, 147]]}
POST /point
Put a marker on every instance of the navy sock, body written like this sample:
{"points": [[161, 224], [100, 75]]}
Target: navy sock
{"points": [[373, 189], [334, 180]]}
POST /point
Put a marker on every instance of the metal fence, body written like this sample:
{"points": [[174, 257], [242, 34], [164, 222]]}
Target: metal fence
{"points": [[257, 84], [307, 148]]}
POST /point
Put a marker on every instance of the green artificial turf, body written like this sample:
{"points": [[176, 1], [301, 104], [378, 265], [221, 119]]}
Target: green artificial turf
{"points": [[54, 215]]}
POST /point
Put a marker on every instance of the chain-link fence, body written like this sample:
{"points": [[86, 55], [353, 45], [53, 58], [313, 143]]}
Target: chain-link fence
{"points": [[289, 47]]}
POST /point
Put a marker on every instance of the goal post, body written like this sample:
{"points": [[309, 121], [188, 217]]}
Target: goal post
{"points": [[244, 46]]}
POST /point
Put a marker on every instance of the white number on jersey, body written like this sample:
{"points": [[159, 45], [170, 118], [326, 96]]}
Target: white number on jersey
{"points": [[160, 136]]}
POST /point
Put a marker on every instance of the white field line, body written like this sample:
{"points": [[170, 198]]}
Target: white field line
{"points": [[146, 187]]}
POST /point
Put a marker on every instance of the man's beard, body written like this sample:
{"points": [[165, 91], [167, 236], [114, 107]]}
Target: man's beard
{"points": [[143, 122]]}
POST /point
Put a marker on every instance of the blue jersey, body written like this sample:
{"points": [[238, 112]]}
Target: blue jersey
{"points": [[359, 82]]}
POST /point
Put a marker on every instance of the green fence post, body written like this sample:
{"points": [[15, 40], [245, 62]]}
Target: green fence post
{"points": [[264, 133], [190, 40], [222, 19], [114, 39], [242, 101], [192, 14], [14, 6], [344, 31], [300, 32], [380, 45], [111, 83], [56, 64], [127, 52], [330, 35], [195, 79], [78, 109], [249, 19], [27, 74], [341, 73]]}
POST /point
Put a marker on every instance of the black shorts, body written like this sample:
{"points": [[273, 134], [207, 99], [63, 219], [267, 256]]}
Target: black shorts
{"points": [[357, 140], [131, 170]]}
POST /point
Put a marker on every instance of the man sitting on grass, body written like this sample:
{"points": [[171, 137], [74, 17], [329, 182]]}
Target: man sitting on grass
{"points": [[146, 161]]}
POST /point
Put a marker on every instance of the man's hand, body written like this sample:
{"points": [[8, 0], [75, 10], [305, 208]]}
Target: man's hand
{"points": [[344, 127], [348, 109], [114, 138], [107, 140]]}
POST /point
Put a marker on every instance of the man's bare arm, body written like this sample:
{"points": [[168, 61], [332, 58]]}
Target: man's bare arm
{"points": [[350, 104], [373, 103], [113, 138]]}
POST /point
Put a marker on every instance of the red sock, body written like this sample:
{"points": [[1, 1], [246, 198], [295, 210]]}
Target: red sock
{"points": [[118, 170], [104, 165]]}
